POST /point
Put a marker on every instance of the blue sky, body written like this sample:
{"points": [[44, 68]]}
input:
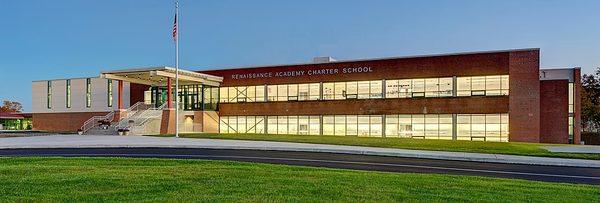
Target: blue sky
{"points": [[42, 39]]}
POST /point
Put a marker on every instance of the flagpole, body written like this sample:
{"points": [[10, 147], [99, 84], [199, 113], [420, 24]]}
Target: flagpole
{"points": [[177, 73]]}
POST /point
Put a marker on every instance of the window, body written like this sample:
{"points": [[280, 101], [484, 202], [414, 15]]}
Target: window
{"points": [[376, 90], [571, 112], [352, 90], [272, 92], [328, 125], [477, 127], [445, 87], [363, 89], [223, 95], [282, 93], [49, 95], [88, 92], [251, 94], [68, 93], [328, 91], [494, 85], [292, 92], [482, 127], [339, 90], [109, 92], [260, 93], [571, 98], [391, 89], [303, 92]]}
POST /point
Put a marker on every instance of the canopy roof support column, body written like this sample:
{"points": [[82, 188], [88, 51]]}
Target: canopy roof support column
{"points": [[169, 94], [120, 95]]}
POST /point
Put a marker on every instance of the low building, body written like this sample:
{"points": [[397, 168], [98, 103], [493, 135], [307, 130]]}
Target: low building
{"points": [[482, 96], [15, 121]]}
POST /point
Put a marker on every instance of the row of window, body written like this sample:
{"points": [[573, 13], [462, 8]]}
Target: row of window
{"points": [[495, 85], [571, 93], [88, 93], [483, 127]]}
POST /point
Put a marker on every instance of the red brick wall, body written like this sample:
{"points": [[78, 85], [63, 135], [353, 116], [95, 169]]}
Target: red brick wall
{"points": [[577, 106], [415, 67], [524, 99], [62, 122], [554, 111], [136, 92], [373, 106]]}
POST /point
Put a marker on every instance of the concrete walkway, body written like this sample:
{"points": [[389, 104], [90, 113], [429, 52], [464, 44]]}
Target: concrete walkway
{"points": [[76, 141], [588, 149]]}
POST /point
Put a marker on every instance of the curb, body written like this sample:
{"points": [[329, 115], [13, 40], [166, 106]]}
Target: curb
{"points": [[440, 155]]}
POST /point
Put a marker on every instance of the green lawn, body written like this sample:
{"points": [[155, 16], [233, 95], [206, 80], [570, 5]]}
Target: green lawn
{"points": [[513, 148], [159, 180]]}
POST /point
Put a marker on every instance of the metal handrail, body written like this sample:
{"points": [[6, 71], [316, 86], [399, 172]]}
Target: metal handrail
{"points": [[91, 123], [139, 113]]}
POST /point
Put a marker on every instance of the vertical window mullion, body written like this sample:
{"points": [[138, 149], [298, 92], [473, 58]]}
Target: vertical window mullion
{"points": [[49, 95], [109, 93], [68, 93], [88, 93]]}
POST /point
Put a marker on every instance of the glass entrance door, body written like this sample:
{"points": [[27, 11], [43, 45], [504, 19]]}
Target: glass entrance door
{"points": [[158, 96], [191, 97]]}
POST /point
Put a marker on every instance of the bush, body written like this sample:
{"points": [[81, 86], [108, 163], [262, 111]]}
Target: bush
{"points": [[591, 138]]}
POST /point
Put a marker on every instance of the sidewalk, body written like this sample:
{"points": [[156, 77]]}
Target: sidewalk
{"points": [[76, 141]]}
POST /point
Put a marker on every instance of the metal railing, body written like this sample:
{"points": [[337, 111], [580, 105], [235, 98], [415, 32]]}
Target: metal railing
{"points": [[140, 117], [93, 121]]}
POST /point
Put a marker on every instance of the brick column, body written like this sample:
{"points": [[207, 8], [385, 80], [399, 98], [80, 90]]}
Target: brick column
{"points": [[169, 94], [577, 106], [120, 95]]}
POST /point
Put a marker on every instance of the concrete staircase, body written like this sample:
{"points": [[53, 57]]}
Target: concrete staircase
{"points": [[141, 119]]}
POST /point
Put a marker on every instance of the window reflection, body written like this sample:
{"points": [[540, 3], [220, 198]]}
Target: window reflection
{"points": [[494, 85], [476, 127]]}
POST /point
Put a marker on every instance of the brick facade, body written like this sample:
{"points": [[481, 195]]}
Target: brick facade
{"points": [[554, 112], [62, 122], [524, 99]]}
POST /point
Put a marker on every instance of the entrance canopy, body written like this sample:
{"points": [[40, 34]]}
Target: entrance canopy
{"points": [[158, 76]]}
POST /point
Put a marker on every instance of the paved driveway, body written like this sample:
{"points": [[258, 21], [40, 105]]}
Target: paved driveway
{"points": [[87, 141]]}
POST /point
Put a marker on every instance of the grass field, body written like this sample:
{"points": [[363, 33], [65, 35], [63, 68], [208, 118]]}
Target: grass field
{"points": [[513, 148], [158, 180]]}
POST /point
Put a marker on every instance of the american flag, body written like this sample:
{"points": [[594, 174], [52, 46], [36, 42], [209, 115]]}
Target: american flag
{"points": [[175, 28]]}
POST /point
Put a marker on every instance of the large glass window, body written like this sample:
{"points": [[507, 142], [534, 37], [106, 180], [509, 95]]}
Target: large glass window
{"points": [[571, 93], [430, 126], [282, 92], [49, 95], [482, 127], [260, 93], [363, 89], [68, 92], [353, 125], [109, 92], [405, 88], [428, 87], [493, 85], [242, 124], [88, 92]]}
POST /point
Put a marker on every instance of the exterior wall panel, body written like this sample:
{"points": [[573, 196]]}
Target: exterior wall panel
{"points": [[554, 111], [524, 99], [62, 122], [99, 96], [414, 67]]}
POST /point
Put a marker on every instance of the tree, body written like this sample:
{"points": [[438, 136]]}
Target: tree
{"points": [[11, 106], [590, 100]]}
